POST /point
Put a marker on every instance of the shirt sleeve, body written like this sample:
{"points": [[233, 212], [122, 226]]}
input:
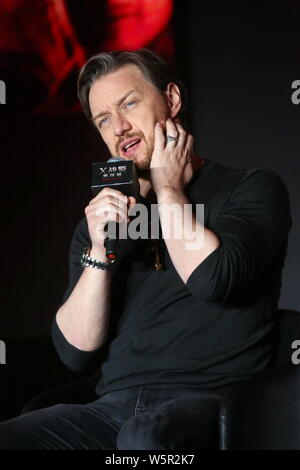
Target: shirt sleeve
{"points": [[79, 241], [252, 227], [76, 360]]}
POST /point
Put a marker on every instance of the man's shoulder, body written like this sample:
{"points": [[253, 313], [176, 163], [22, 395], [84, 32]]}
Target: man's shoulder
{"points": [[257, 177], [220, 186], [258, 180]]}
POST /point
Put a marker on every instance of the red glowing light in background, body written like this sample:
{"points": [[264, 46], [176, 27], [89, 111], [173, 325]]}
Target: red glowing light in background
{"points": [[136, 23], [42, 39]]}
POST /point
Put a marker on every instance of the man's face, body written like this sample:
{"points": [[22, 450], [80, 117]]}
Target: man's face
{"points": [[125, 107]]}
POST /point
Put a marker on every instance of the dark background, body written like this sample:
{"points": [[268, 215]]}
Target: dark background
{"points": [[238, 62]]}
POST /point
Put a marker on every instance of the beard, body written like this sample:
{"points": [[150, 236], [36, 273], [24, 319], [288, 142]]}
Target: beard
{"points": [[143, 168], [143, 164]]}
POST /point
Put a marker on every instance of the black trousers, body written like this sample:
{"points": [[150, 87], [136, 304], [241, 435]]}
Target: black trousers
{"points": [[138, 418]]}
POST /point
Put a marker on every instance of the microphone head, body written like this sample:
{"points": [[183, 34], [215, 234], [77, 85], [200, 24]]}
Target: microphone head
{"points": [[115, 159]]}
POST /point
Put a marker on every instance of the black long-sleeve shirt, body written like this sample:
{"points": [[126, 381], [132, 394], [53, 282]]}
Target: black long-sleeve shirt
{"points": [[217, 328]]}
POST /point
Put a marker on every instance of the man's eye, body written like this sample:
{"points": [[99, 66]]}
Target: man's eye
{"points": [[103, 121], [130, 103]]}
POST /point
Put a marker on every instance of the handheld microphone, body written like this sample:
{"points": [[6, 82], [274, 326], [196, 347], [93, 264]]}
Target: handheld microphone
{"points": [[117, 173]]}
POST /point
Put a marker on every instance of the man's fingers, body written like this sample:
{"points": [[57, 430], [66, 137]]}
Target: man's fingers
{"points": [[159, 138], [182, 135], [172, 131], [131, 202], [111, 209], [109, 199], [109, 192], [103, 208], [189, 142]]}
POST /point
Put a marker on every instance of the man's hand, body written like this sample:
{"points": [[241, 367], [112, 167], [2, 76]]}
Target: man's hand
{"points": [[171, 163], [110, 205]]}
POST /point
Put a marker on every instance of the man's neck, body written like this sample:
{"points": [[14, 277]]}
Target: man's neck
{"points": [[146, 189]]}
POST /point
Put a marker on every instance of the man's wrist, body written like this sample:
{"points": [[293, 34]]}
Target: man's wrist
{"points": [[89, 261], [99, 254], [169, 194]]}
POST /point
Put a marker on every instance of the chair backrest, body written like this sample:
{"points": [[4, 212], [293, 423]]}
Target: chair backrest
{"points": [[264, 413]]}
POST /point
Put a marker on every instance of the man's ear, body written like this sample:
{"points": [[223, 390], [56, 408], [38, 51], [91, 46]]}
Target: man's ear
{"points": [[173, 97]]}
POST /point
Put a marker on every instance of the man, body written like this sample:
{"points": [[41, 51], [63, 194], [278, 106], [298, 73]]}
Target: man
{"points": [[172, 340]]}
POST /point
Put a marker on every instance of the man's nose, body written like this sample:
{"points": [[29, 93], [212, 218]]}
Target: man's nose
{"points": [[120, 124]]}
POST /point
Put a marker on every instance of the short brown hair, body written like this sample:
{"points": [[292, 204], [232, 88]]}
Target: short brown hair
{"points": [[153, 67]]}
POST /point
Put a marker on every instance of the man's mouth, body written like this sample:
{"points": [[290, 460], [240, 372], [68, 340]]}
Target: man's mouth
{"points": [[129, 146]]}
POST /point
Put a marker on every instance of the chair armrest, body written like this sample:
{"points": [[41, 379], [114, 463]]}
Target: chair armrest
{"points": [[264, 412]]}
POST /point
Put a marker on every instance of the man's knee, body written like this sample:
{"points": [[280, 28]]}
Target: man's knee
{"points": [[143, 432]]}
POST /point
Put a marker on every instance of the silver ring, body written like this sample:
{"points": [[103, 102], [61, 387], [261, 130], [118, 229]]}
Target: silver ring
{"points": [[170, 138]]}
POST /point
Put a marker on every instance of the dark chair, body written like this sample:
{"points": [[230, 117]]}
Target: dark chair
{"points": [[262, 413]]}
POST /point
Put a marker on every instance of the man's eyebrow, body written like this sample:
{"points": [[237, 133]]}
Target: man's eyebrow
{"points": [[102, 113]]}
